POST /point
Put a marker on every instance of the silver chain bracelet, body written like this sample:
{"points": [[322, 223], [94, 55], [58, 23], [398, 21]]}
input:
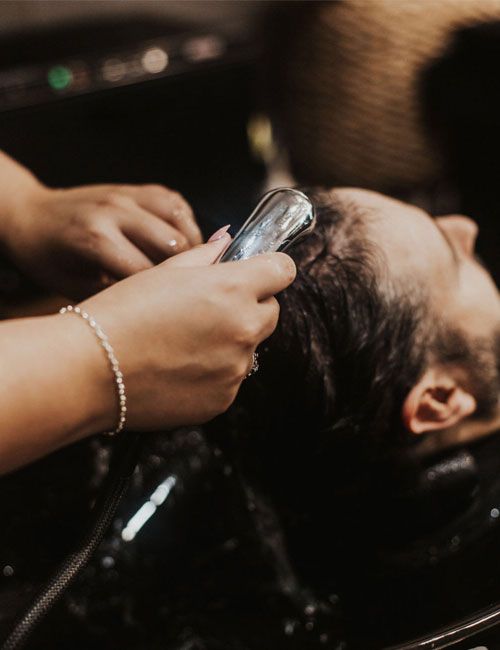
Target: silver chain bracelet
{"points": [[118, 376]]}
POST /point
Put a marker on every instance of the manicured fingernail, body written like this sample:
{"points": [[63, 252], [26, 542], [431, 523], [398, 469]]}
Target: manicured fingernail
{"points": [[219, 234]]}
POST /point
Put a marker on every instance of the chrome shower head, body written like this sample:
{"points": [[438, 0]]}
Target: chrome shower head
{"points": [[282, 216]]}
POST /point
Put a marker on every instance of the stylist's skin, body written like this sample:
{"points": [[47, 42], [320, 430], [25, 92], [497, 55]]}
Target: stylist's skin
{"points": [[78, 241], [183, 332]]}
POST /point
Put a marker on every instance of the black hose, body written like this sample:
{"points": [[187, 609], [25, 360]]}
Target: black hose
{"points": [[123, 463]]}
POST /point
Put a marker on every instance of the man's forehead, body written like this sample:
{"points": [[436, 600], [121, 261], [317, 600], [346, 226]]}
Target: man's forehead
{"points": [[374, 202], [406, 234]]}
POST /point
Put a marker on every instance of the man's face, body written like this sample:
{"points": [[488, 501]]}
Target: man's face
{"points": [[437, 254]]}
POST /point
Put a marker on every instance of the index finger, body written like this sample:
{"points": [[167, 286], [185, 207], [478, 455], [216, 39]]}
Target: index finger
{"points": [[169, 206], [265, 274]]}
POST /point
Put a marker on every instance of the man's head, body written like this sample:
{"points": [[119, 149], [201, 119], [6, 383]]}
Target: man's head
{"points": [[391, 330], [387, 348], [429, 265]]}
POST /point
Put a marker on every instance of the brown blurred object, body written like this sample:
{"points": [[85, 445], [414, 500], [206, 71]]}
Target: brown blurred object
{"points": [[350, 75]]}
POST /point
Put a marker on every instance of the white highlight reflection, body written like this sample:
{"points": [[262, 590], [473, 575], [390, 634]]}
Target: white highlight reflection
{"points": [[147, 510]]}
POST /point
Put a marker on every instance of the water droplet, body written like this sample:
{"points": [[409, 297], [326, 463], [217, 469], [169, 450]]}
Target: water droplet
{"points": [[494, 513], [334, 599], [194, 437], [195, 463], [310, 610], [8, 571], [231, 544], [309, 626], [289, 627], [323, 638], [455, 541], [107, 562], [228, 470]]}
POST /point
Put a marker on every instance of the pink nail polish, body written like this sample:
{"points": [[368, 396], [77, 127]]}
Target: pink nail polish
{"points": [[219, 234]]}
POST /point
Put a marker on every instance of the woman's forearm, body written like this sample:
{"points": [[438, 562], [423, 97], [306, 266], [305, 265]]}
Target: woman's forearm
{"points": [[17, 183], [184, 333], [56, 387]]}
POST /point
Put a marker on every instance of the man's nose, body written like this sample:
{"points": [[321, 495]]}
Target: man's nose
{"points": [[462, 231]]}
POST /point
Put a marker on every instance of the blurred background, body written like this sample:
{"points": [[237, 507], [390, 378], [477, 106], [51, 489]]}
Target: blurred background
{"points": [[135, 92], [132, 91], [222, 100]]}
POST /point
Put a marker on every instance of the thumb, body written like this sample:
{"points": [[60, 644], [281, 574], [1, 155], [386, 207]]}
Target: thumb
{"points": [[202, 255]]}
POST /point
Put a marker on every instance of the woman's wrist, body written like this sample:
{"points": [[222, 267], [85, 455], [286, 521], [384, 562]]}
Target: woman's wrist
{"points": [[57, 387], [113, 363], [92, 394], [20, 191]]}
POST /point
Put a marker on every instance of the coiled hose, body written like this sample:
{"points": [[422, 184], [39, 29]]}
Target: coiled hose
{"points": [[123, 463]]}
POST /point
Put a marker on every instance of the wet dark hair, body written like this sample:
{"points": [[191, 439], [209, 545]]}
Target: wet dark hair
{"points": [[349, 340], [334, 375], [322, 417]]}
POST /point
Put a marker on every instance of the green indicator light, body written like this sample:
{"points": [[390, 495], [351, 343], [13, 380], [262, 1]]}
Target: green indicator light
{"points": [[59, 77]]}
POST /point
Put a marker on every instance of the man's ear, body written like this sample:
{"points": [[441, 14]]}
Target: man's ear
{"points": [[436, 402]]}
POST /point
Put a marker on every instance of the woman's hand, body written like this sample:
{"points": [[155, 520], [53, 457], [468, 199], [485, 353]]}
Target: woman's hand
{"points": [[184, 332], [78, 241]]}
